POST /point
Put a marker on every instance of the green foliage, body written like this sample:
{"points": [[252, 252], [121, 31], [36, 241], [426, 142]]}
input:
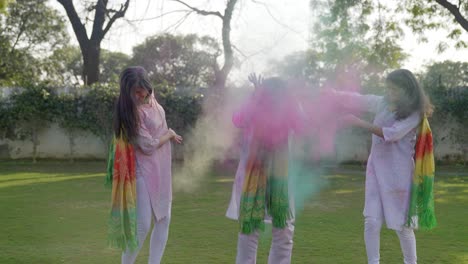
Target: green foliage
{"points": [[4, 4], [32, 110], [33, 107], [455, 105], [445, 75], [6, 118], [183, 61], [447, 85], [424, 16], [98, 108], [70, 117], [302, 64], [182, 107], [347, 35], [112, 63], [65, 66], [29, 32], [27, 27], [17, 67]]}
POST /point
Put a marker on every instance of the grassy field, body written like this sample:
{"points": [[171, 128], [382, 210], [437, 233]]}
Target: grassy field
{"points": [[56, 212]]}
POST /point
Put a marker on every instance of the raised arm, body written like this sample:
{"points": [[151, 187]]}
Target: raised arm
{"points": [[357, 101]]}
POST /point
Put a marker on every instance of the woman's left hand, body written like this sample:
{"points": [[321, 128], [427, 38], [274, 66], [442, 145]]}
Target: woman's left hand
{"points": [[178, 139]]}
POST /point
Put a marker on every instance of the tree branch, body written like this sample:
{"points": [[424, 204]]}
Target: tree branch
{"points": [[160, 16], [99, 19], [226, 35], [117, 15], [178, 22], [261, 50], [240, 51], [277, 21], [21, 31], [455, 12], [77, 25], [199, 11]]}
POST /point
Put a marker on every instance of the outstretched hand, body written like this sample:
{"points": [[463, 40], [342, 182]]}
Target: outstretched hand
{"points": [[256, 81], [350, 120]]}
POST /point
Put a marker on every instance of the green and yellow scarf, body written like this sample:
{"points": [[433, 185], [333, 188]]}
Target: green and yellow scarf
{"points": [[421, 212], [265, 189], [121, 175]]}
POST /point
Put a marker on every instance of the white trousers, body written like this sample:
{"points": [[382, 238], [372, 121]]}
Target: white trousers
{"points": [[372, 227], [280, 251], [160, 231]]}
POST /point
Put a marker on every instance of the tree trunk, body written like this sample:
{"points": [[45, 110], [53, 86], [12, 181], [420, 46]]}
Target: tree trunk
{"points": [[221, 75], [91, 59], [227, 46], [71, 139], [35, 141], [91, 46], [216, 95]]}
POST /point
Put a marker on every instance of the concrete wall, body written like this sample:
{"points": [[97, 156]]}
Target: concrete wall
{"points": [[54, 143], [351, 146]]}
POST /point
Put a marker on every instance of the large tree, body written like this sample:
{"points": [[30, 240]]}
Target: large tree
{"points": [[346, 35], [28, 33], [65, 65], [445, 75], [182, 61], [90, 45]]}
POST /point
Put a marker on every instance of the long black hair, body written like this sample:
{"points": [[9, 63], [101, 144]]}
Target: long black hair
{"points": [[126, 120], [414, 98]]}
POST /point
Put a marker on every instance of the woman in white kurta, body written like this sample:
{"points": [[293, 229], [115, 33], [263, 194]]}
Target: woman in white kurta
{"points": [[390, 166], [282, 242], [139, 114]]}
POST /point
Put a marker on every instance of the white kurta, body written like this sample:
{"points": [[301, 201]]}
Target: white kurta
{"points": [[153, 162], [234, 204], [390, 166]]}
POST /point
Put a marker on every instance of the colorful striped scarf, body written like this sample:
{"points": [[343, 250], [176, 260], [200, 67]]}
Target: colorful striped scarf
{"points": [[121, 175], [265, 189], [421, 213]]}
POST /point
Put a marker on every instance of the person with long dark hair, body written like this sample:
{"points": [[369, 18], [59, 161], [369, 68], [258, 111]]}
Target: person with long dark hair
{"points": [[400, 167], [140, 169]]}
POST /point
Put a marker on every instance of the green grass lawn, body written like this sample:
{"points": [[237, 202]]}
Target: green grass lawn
{"points": [[56, 212]]}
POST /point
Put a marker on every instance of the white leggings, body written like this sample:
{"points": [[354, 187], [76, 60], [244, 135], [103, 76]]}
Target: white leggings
{"points": [[372, 228], [158, 235], [280, 251]]}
